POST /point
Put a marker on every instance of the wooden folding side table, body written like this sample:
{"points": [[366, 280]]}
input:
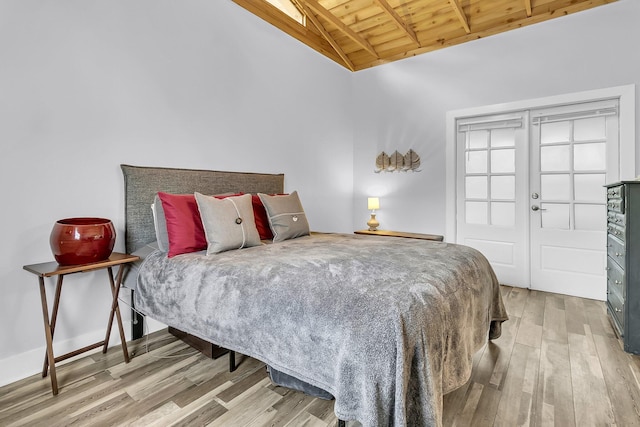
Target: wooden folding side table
{"points": [[50, 269]]}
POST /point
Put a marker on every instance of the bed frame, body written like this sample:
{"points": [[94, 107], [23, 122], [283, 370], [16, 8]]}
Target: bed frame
{"points": [[141, 184]]}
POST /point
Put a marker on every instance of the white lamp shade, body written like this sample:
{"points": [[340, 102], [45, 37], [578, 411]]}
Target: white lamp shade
{"points": [[373, 203]]}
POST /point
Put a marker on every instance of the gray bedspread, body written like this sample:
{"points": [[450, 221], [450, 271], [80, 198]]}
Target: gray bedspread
{"points": [[386, 325]]}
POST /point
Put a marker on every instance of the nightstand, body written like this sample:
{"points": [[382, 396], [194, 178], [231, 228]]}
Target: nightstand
{"points": [[50, 269], [388, 233]]}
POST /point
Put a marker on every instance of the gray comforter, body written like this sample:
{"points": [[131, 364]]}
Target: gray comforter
{"points": [[386, 325]]}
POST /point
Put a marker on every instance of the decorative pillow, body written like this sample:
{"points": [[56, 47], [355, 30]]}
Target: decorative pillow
{"points": [[160, 224], [286, 216], [260, 215], [184, 227], [228, 223], [182, 221]]}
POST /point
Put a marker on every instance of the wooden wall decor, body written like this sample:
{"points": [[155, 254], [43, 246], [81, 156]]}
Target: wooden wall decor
{"points": [[396, 162]]}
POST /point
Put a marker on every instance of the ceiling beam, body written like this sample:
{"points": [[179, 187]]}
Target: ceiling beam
{"points": [[311, 17], [398, 20], [320, 10], [461, 16], [527, 5], [543, 16]]}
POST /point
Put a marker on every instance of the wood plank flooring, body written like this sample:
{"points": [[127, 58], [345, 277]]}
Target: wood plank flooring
{"points": [[558, 363]]}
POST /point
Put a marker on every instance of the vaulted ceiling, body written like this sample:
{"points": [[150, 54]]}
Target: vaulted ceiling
{"points": [[359, 34]]}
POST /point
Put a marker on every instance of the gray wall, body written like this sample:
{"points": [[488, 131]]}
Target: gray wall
{"points": [[403, 105], [88, 85], [85, 86]]}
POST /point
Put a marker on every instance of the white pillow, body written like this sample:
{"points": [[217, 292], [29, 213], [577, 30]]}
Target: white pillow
{"points": [[228, 223], [160, 224]]}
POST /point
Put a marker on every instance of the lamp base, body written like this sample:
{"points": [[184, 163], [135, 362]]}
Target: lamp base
{"points": [[373, 223]]}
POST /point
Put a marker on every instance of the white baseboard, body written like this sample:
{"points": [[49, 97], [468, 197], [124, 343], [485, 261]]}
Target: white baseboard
{"points": [[23, 365]]}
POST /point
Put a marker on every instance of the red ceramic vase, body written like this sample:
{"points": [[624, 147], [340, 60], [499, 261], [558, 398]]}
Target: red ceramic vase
{"points": [[77, 241]]}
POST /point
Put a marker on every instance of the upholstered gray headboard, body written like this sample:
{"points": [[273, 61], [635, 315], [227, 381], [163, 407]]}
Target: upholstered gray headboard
{"points": [[142, 183]]}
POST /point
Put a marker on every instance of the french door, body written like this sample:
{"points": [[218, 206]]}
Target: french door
{"points": [[531, 196], [492, 187], [574, 152]]}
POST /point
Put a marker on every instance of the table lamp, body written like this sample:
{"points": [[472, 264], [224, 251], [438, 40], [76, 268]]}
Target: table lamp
{"points": [[373, 204]]}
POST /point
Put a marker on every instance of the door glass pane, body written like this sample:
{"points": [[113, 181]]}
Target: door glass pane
{"points": [[555, 132], [503, 187], [589, 187], [503, 214], [591, 217], [555, 187], [476, 161], [503, 160], [555, 215], [476, 212], [590, 156], [554, 158], [589, 129], [503, 137], [476, 187], [478, 139]]}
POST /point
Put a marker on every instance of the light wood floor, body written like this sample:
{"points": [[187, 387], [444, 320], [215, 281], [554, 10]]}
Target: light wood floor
{"points": [[558, 363]]}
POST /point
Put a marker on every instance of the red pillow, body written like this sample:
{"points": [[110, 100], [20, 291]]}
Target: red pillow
{"points": [[184, 226], [261, 217], [262, 221]]}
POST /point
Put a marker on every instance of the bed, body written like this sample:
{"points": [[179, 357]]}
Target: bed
{"points": [[385, 326]]}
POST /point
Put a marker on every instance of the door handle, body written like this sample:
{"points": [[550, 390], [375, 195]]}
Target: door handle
{"points": [[536, 208]]}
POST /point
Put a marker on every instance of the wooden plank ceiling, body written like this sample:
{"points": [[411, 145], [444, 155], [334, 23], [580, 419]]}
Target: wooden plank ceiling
{"points": [[359, 34]]}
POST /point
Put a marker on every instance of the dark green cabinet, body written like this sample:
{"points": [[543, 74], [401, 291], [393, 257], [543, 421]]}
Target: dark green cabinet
{"points": [[623, 261]]}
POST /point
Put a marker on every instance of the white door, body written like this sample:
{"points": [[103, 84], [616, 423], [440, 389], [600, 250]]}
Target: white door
{"points": [[574, 152], [492, 188], [530, 196]]}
